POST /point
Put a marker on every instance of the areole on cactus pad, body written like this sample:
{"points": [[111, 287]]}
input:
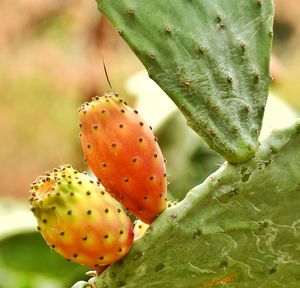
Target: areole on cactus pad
{"points": [[123, 153], [79, 219]]}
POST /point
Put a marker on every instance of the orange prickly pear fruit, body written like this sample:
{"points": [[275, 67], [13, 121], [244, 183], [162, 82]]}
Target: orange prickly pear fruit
{"points": [[123, 153], [79, 220]]}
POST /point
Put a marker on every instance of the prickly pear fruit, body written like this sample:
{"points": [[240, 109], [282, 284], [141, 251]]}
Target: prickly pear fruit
{"points": [[123, 153], [139, 229], [79, 220]]}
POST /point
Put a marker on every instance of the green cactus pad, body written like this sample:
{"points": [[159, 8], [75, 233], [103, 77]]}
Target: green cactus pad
{"points": [[240, 228], [210, 57]]}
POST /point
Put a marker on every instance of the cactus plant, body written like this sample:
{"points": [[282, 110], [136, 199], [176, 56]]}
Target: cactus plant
{"points": [[240, 227], [234, 227], [123, 153], [210, 58]]}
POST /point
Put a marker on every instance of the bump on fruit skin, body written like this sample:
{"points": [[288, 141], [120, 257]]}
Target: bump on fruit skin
{"points": [[124, 155], [79, 219], [140, 228]]}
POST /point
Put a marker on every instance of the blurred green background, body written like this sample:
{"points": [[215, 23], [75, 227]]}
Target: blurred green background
{"points": [[50, 62]]}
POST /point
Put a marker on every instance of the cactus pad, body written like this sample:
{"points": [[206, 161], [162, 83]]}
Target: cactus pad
{"points": [[210, 57]]}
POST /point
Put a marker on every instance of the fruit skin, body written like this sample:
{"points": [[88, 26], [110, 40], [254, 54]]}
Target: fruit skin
{"points": [[140, 228], [79, 220], [123, 153]]}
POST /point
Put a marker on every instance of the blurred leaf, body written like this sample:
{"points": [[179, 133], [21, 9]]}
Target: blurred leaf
{"points": [[28, 257]]}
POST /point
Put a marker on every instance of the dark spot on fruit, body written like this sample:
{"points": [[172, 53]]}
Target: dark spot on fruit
{"points": [[38, 228], [141, 124], [151, 178], [91, 181], [140, 226], [88, 193], [165, 175], [57, 194], [120, 250], [84, 238], [44, 221], [130, 11], [155, 155], [79, 182], [69, 212], [113, 145], [135, 111], [106, 210], [68, 260], [72, 194], [101, 257], [121, 126], [62, 233], [160, 195], [119, 210], [146, 197], [52, 246], [121, 232], [155, 139], [32, 209], [141, 139], [95, 127], [106, 236], [75, 255], [126, 180], [122, 110], [134, 159], [102, 192], [88, 146], [103, 111]]}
